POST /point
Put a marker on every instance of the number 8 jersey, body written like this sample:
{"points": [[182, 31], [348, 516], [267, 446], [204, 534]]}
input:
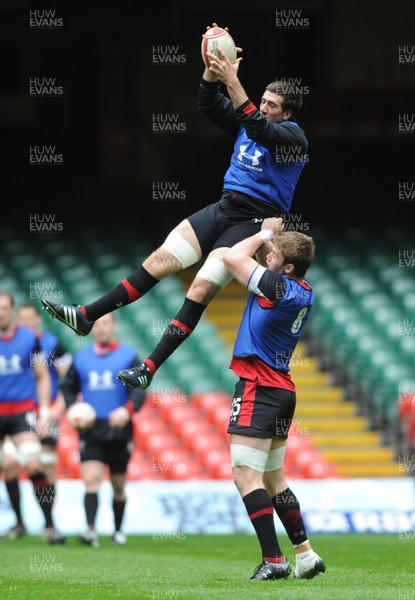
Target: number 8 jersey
{"points": [[275, 313]]}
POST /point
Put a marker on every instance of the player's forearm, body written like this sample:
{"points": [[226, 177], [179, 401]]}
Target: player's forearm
{"points": [[209, 76], [44, 390], [240, 255], [236, 92]]}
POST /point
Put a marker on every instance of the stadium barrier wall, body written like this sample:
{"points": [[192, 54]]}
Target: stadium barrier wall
{"points": [[172, 510]]}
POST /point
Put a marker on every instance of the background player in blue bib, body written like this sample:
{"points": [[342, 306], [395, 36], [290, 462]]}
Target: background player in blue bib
{"points": [[92, 378]]}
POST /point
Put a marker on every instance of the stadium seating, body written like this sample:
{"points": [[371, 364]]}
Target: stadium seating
{"points": [[358, 316], [362, 297]]}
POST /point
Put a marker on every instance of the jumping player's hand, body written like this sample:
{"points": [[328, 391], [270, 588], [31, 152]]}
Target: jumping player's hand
{"points": [[119, 417], [275, 224], [221, 66]]}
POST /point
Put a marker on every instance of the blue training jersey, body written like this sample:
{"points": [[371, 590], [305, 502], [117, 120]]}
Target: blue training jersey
{"points": [[269, 175], [17, 353], [276, 311], [98, 381]]}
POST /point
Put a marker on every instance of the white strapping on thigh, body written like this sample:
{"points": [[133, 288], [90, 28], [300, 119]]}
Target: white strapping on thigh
{"points": [[245, 456], [181, 249], [214, 270], [29, 450], [275, 458]]}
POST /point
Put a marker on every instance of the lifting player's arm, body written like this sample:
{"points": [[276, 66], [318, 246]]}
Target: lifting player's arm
{"points": [[238, 259], [217, 107], [258, 128], [268, 134]]}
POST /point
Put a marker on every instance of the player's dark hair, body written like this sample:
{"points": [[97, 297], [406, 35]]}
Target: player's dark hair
{"points": [[297, 249], [293, 98]]}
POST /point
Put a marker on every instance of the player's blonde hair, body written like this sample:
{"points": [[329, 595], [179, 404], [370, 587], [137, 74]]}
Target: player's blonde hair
{"points": [[297, 249]]}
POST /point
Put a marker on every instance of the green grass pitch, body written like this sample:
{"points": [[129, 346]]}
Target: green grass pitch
{"points": [[198, 567]]}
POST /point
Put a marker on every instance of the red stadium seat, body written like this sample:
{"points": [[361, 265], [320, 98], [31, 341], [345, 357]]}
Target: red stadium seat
{"points": [[188, 470], [176, 464], [406, 406], [68, 464], [208, 399], [157, 442], [214, 457], [409, 426], [222, 470], [178, 415], [203, 442], [143, 428], [320, 469], [191, 428], [310, 464], [295, 443], [163, 404], [141, 468], [219, 417]]}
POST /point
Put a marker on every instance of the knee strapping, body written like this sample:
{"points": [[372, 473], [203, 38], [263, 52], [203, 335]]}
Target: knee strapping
{"points": [[245, 456], [28, 451], [9, 449], [275, 458], [215, 271], [181, 249]]}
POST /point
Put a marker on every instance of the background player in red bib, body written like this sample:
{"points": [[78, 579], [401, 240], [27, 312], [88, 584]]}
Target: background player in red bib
{"points": [[264, 402]]}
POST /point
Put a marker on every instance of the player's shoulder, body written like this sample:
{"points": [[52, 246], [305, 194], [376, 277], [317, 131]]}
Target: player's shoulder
{"points": [[127, 349], [26, 332], [83, 353], [47, 338], [293, 126]]}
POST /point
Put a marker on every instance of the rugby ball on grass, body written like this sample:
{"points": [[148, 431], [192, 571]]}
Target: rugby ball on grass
{"points": [[215, 38], [81, 415]]}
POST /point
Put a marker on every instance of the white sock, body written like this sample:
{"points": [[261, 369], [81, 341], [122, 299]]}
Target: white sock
{"points": [[304, 555]]}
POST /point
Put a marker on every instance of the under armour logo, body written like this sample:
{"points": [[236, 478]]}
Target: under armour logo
{"points": [[100, 381], [243, 154]]}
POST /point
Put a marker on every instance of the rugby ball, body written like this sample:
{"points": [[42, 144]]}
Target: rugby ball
{"points": [[81, 415], [215, 38]]}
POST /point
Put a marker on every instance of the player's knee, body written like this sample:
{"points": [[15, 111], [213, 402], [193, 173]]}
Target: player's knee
{"points": [[214, 270], [119, 494], [181, 249], [29, 454]]}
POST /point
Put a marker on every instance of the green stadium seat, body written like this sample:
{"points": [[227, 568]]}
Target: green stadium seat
{"points": [[408, 302], [407, 348]]}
